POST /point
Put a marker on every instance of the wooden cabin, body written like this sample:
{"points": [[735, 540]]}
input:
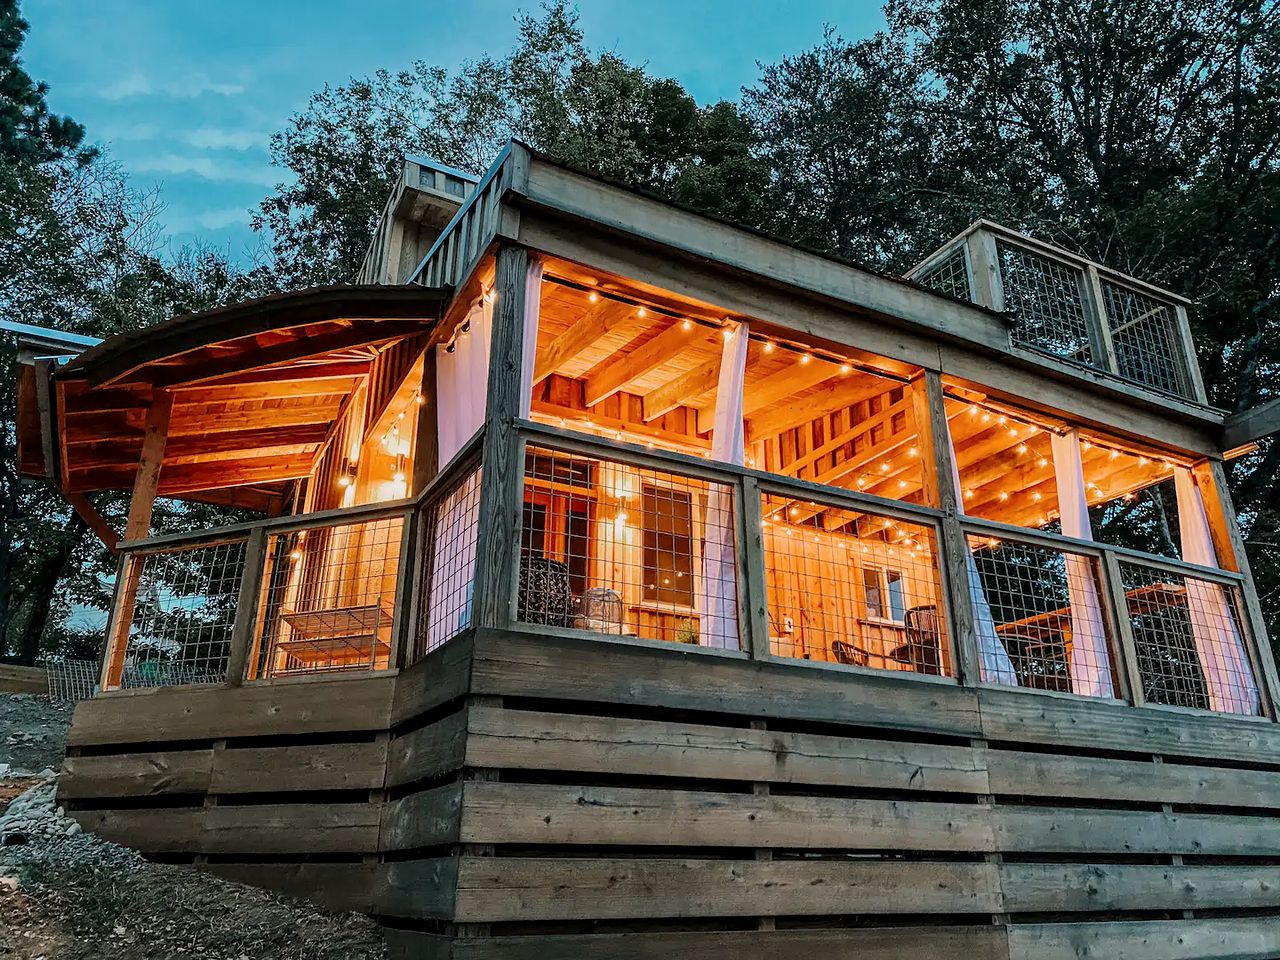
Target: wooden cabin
{"points": [[619, 583]]}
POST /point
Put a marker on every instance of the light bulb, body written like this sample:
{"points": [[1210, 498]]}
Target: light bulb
{"points": [[593, 297], [805, 358], [768, 346], [688, 324], [295, 555], [845, 368], [641, 312], [344, 481]]}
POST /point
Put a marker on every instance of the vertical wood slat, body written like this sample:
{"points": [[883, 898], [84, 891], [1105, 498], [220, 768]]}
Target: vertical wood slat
{"points": [[755, 600], [128, 573], [494, 582], [255, 557], [1190, 360], [1100, 323], [936, 457], [984, 266], [146, 482], [1118, 604]]}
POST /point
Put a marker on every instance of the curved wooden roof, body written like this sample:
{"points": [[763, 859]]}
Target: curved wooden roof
{"points": [[256, 388], [256, 333]]}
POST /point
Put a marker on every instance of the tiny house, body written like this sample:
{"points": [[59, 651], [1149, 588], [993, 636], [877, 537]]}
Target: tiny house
{"points": [[623, 583]]}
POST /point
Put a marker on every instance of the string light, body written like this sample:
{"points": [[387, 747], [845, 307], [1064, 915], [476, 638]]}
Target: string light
{"points": [[687, 325], [593, 296], [805, 358], [768, 346]]}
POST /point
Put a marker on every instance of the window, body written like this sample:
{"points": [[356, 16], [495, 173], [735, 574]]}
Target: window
{"points": [[886, 594], [668, 545]]}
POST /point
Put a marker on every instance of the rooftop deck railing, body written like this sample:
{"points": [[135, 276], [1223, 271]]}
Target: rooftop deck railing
{"points": [[621, 543], [1071, 308]]}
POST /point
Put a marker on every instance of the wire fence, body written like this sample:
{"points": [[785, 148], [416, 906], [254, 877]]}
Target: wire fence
{"points": [[618, 549], [450, 532], [175, 614], [853, 587], [1040, 617], [328, 599], [950, 275], [1046, 299], [1147, 340], [1190, 640]]}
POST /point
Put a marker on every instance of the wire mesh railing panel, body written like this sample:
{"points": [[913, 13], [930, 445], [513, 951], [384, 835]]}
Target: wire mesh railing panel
{"points": [[327, 599], [449, 536], [950, 275], [71, 680], [853, 587], [1046, 299], [624, 550], [176, 612], [1190, 640], [1039, 617], [1147, 341]]}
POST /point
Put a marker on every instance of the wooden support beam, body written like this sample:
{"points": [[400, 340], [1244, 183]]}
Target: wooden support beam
{"points": [[94, 520], [497, 541], [690, 384], [600, 318], [146, 482], [833, 394], [364, 334], [426, 444], [620, 370], [766, 393]]}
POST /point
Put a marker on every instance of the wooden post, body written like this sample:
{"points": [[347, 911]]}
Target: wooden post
{"points": [[426, 445], [984, 266], [407, 578], [255, 554], [121, 619], [147, 480], [1118, 603], [1211, 479], [1190, 361], [755, 600], [494, 585], [1101, 340], [934, 439]]}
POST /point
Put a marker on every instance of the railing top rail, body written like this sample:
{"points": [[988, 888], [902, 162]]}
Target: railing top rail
{"points": [[1059, 541], [241, 531]]}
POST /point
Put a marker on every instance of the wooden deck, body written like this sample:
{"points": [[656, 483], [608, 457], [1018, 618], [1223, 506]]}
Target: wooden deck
{"points": [[522, 796]]}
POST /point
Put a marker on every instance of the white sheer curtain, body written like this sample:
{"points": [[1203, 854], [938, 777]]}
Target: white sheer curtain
{"points": [[717, 594], [1090, 661], [529, 334], [994, 659], [1227, 672], [462, 380]]}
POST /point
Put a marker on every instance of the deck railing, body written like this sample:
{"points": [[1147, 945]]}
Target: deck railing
{"points": [[619, 542], [1071, 308]]}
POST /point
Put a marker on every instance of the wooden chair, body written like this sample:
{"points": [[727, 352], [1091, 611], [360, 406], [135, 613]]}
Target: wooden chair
{"points": [[923, 648]]}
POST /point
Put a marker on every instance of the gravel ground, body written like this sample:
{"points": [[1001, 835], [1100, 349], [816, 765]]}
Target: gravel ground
{"points": [[68, 895], [33, 733]]}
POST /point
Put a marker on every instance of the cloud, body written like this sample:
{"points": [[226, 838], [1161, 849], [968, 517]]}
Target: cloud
{"points": [[226, 217], [206, 168], [216, 138], [187, 87]]}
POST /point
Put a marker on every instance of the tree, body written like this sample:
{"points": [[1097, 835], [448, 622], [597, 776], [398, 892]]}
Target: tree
{"points": [[593, 111]]}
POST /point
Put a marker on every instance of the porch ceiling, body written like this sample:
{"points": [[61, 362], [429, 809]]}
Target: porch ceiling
{"points": [[256, 390]]}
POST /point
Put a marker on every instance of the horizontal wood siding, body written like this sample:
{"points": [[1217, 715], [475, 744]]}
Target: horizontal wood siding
{"points": [[530, 796]]}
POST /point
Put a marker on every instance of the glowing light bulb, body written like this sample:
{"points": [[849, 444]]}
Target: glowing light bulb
{"points": [[593, 296], [1114, 454], [986, 417], [687, 325], [912, 452], [973, 409], [1086, 444], [344, 481], [968, 494], [419, 399], [1022, 448], [1002, 419], [641, 312], [794, 511], [845, 368], [902, 484], [1143, 461], [295, 555], [768, 346], [1042, 462], [862, 482], [805, 358], [884, 468], [1037, 497], [1004, 495]]}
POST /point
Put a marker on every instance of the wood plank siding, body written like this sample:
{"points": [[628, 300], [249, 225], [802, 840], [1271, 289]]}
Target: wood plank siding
{"points": [[518, 796]]}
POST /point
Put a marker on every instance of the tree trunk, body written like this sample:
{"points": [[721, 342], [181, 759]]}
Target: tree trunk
{"points": [[40, 595]]}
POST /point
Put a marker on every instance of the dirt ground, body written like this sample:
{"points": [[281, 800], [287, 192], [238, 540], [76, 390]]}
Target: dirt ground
{"points": [[66, 895], [33, 733]]}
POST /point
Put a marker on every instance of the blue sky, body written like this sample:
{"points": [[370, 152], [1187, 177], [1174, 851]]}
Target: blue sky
{"points": [[187, 93]]}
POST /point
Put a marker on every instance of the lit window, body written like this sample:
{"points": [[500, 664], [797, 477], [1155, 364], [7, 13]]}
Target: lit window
{"points": [[886, 594], [668, 545]]}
